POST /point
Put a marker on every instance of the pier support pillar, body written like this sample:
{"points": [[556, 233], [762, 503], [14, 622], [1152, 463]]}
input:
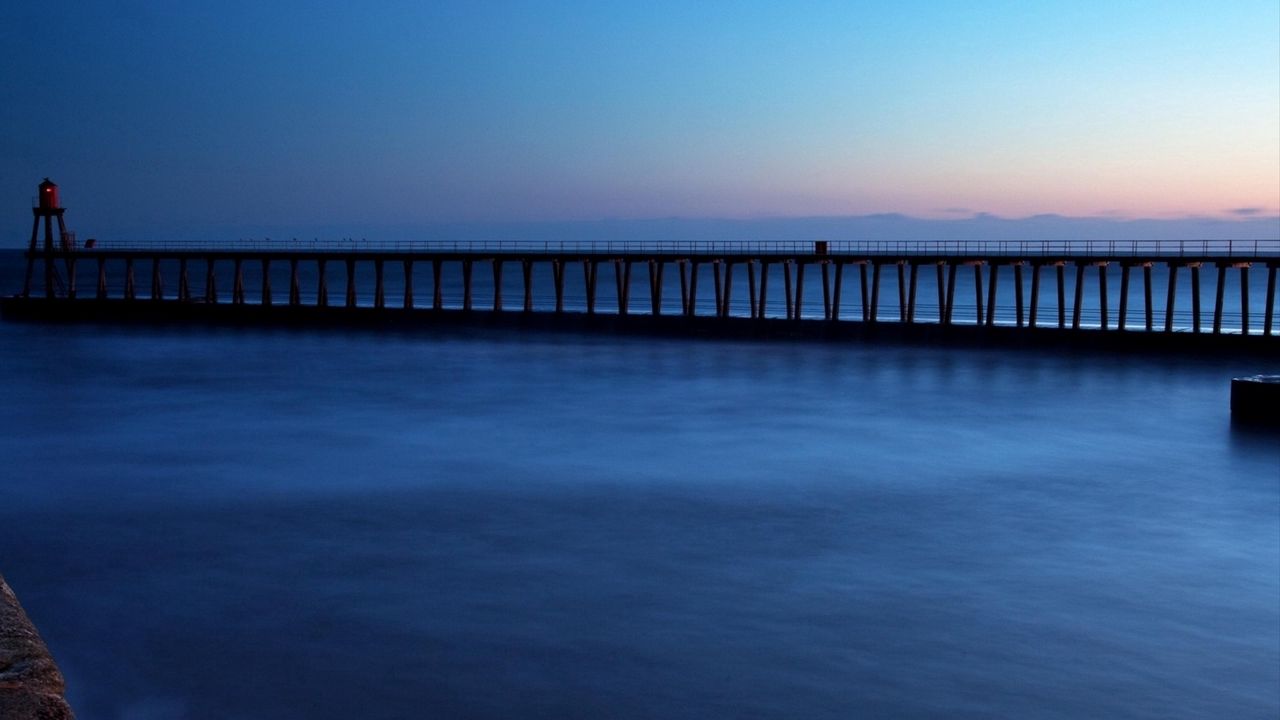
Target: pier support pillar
{"points": [[622, 277], [799, 289], [1221, 292], [379, 288], [1061, 272], [751, 288], [1269, 312], [557, 279], [295, 288], [728, 288], [437, 286], [719, 298], [941, 279], [1170, 301], [1195, 296], [237, 284], [977, 289], [1079, 297], [902, 290], [322, 283], [266, 281], [947, 315], [184, 281], [1125, 268], [826, 290], [102, 278], [1244, 297], [157, 286], [1035, 294], [655, 286], [875, 292], [497, 285], [128, 280], [1017, 290], [864, 290], [210, 283], [1147, 294], [408, 284], [467, 267], [991, 294], [764, 289], [837, 294], [526, 271], [351, 283], [1102, 293], [911, 292], [589, 268]]}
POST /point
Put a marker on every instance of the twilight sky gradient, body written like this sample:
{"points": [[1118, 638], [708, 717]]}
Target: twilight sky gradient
{"points": [[193, 115]]}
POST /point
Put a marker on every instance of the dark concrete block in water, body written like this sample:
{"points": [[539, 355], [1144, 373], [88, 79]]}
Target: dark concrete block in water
{"points": [[1256, 399], [31, 686]]}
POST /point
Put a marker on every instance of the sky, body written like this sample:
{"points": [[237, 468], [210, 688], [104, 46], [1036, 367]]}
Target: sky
{"points": [[202, 119]]}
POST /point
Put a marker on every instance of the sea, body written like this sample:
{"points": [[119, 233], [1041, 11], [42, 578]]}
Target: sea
{"points": [[254, 523]]}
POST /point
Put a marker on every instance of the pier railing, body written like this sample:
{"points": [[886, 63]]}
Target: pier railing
{"points": [[869, 248]]}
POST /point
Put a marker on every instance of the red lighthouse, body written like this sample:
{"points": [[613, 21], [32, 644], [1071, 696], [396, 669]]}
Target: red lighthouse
{"points": [[47, 207]]}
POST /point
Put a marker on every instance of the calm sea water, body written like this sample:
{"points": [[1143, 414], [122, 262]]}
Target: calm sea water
{"points": [[274, 524]]}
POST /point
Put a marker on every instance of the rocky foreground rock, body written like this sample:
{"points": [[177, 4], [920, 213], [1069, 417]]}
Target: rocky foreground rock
{"points": [[31, 686]]}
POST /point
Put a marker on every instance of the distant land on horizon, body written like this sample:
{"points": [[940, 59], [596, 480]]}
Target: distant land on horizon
{"points": [[885, 227]]}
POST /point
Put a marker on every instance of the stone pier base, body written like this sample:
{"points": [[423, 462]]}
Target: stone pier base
{"points": [[31, 686]]}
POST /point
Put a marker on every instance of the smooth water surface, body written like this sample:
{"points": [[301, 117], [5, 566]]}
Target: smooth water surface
{"points": [[274, 524]]}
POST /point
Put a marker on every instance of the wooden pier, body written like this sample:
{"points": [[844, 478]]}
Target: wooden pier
{"points": [[182, 274]]}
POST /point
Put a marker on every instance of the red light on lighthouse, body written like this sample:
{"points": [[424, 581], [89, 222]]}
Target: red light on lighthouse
{"points": [[48, 195]]}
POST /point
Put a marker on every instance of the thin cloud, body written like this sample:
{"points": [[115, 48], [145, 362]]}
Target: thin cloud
{"points": [[1247, 211]]}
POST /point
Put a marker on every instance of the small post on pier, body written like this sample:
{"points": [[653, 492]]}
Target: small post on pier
{"points": [[1195, 296], [1221, 292], [379, 291], [351, 283], [1172, 297], [266, 281], [408, 284], [322, 283]]}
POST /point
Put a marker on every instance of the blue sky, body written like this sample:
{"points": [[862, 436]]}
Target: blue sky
{"points": [[218, 115]]}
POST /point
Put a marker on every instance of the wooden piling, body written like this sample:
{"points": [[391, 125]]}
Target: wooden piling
{"points": [[764, 288], [864, 290], [184, 281], [322, 282], [692, 301], [941, 279], [295, 289], [1017, 290], [751, 288], [237, 284], [1035, 294], [977, 288], [1269, 312], [1102, 293], [1125, 268], [210, 283], [266, 281], [557, 279], [655, 286], [1146, 282], [902, 291], [991, 294], [1221, 292], [622, 278], [826, 290], [157, 286], [379, 288], [952, 269], [719, 299], [838, 291], [1244, 297], [1061, 272], [728, 288], [102, 278], [526, 272], [468, 266], [408, 284], [589, 267], [128, 279], [786, 287], [911, 293], [875, 292], [1195, 296], [799, 288], [437, 290], [351, 282], [1079, 296], [497, 285], [1170, 301]]}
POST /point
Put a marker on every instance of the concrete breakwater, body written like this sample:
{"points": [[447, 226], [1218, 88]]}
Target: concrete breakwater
{"points": [[31, 686]]}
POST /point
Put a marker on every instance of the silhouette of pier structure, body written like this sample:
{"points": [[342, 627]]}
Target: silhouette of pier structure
{"points": [[1037, 268]]}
